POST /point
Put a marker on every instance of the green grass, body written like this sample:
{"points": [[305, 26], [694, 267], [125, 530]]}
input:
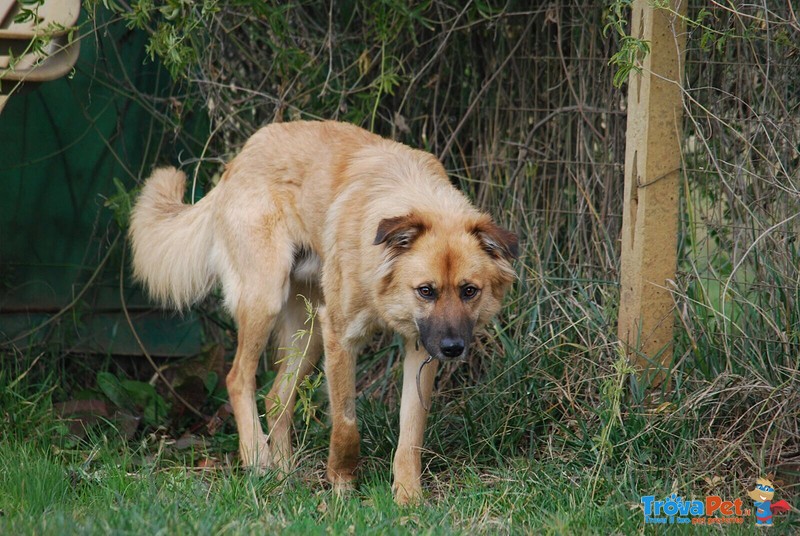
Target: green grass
{"points": [[43, 494], [538, 469]]}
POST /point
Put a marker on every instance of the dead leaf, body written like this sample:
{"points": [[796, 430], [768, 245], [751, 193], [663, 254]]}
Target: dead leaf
{"points": [[126, 423], [218, 419], [206, 463], [79, 415], [75, 407], [188, 441]]}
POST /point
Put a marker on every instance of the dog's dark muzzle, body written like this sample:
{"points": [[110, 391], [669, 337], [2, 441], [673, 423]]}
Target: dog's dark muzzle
{"points": [[446, 337]]}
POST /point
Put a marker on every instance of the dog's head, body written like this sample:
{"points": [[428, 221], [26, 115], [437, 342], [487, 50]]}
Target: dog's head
{"points": [[443, 279]]}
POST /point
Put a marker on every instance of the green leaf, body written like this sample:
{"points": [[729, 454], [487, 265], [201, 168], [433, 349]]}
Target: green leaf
{"points": [[120, 203], [155, 411], [113, 389], [139, 392], [211, 381], [146, 399]]}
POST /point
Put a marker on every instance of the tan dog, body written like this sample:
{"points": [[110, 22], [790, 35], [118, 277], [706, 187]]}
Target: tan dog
{"points": [[367, 228]]}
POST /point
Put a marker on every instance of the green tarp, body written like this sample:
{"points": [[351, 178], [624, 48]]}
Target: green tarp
{"points": [[62, 143]]}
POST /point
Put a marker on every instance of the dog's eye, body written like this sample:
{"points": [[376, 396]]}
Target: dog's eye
{"points": [[426, 292], [468, 292]]}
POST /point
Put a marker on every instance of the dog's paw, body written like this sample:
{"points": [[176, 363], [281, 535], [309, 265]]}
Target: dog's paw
{"points": [[407, 495], [258, 456], [342, 485], [343, 489], [283, 464]]}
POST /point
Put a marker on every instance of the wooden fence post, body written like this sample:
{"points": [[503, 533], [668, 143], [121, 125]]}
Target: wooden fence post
{"points": [[652, 174]]}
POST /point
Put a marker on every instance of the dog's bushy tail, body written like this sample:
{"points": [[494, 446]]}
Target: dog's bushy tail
{"points": [[172, 242]]}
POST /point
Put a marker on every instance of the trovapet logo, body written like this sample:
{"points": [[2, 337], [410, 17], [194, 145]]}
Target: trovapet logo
{"points": [[674, 510], [713, 510]]}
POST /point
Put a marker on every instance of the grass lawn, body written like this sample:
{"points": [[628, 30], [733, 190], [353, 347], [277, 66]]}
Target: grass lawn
{"points": [[572, 478], [127, 490], [43, 494]]}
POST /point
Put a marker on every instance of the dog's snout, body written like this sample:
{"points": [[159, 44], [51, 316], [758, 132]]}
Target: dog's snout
{"points": [[452, 347]]}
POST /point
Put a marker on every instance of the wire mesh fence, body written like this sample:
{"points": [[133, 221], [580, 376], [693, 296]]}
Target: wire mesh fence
{"points": [[738, 278]]}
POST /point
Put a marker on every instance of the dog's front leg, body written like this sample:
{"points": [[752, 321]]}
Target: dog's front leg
{"points": [[340, 371], [413, 417]]}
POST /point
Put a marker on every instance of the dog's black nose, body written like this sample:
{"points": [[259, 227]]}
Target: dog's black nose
{"points": [[452, 347]]}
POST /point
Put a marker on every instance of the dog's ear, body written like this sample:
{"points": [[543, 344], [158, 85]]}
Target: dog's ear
{"points": [[496, 241], [400, 232]]}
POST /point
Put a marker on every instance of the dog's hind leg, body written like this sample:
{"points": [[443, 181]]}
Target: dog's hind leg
{"points": [[255, 283], [413, 418], [299, 343], [254, 325]]}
